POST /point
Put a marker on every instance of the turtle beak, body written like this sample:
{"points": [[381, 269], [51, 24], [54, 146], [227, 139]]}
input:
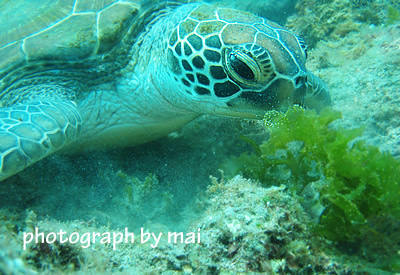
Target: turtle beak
{"points": [[278, 96]]}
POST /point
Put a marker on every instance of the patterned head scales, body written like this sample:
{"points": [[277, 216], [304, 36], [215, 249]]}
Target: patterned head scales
{"points": [[226, 54]]}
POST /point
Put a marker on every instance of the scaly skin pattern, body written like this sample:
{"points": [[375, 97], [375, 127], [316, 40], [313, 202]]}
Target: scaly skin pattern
{"points": [[189, 60], [31, 132]]}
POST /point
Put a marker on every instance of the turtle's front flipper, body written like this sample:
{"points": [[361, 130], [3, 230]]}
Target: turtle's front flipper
{"points": [[317, 95], [30, 132]]}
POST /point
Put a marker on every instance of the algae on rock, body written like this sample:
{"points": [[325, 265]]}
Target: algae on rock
{"points": [[393, 15], [360, 187], [324, 20]]}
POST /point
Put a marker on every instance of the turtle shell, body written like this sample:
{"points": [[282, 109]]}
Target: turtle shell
{"points": [[61, 30]]}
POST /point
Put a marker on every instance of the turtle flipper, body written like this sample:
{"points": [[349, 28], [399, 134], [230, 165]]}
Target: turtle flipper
{"points": [[317, 95], [30, 132]]}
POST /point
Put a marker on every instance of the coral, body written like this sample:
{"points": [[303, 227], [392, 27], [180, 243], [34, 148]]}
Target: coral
{"points": [[360, 187]]}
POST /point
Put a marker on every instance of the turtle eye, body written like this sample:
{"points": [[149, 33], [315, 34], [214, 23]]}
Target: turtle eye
{"points": [[248, 65], [240, 67]]}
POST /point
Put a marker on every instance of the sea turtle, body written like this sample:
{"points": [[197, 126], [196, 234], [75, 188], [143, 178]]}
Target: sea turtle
{"points": [[85, 74]]}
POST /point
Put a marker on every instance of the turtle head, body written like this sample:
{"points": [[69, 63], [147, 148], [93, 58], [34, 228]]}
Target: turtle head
{"points": [[236, 63]]}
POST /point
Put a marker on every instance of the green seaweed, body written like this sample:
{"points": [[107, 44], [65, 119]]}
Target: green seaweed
{"points": [[361, 185], [393, 15]]}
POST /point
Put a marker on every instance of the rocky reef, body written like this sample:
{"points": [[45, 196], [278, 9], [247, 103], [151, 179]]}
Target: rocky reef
{"points": [[362, 72], [334, 19], [244, 228], [350, 188]]}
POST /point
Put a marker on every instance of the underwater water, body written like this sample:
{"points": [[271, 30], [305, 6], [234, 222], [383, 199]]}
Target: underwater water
{"points": [[294, 193]]}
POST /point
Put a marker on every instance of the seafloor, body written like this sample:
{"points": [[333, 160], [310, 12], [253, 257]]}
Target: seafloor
{"points": [[165, 186]]}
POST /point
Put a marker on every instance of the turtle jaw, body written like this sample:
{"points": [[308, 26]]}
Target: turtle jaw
{"points": [[237, 109], [253, 104], [280, 95], [243, 110]]}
